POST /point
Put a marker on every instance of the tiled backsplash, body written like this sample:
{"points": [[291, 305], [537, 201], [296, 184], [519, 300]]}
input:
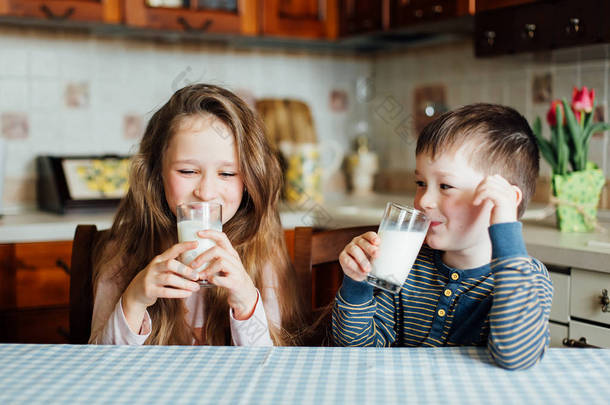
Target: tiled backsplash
{"points": [[67, 94]]}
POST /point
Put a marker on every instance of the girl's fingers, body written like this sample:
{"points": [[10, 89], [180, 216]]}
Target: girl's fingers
{"points": [[172, 280], [176, 250], [220, 238], [182, 269], [168, 292], [214, 253]]}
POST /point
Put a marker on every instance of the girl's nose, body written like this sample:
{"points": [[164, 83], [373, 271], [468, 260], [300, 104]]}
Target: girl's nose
{"points": [[205, 189]]}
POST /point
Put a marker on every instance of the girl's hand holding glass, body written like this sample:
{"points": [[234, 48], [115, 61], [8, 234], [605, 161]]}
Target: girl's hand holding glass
{"points": [[226, 270], [164, 277]]}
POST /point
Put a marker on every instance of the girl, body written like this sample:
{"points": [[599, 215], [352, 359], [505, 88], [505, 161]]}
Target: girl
{"points": [[204, 144]]}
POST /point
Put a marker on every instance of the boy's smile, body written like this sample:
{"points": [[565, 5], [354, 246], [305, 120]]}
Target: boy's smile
{"points": [[445, 192]]}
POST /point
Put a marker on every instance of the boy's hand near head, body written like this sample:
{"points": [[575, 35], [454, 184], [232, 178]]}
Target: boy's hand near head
{"points": [[355, 258], [500, 197]]}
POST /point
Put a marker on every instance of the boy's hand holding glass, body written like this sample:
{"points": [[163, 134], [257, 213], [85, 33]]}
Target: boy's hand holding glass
{"points": [[502, 197], [384, 259], [356, 257]]}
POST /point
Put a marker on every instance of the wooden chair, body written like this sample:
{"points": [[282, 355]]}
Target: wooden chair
{"points": [[316, 262], [81, 287]]}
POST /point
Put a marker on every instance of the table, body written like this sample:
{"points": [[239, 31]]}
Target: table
{"points": [[50, 374]]}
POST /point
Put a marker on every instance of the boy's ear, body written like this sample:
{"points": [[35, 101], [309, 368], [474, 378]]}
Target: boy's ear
{"points": [[518, 194]]}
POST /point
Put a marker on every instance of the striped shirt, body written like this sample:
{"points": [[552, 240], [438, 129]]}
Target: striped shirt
{"points": [[504, 305]]}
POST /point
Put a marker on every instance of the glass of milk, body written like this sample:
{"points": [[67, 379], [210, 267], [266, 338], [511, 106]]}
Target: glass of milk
{"points": [[402, 232], [192, 218]]}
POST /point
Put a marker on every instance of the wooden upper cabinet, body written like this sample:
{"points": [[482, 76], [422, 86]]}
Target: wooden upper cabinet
{"points": [[315, 19], [360, 16], [408, 12], [107, 11], [203, 16], [483, 5]]}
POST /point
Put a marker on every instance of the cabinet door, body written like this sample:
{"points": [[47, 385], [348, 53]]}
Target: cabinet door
{"points": [[483, 5], [195, 16], [494, 33], [560, 309], [301, 18], [532, 27], [107, 11], [586, 292], [359, 16], [594, 335], [409, 12], [558, 333], [577, 23]]}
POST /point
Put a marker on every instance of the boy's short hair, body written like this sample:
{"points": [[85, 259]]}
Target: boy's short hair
{"points": [[501, 141]]}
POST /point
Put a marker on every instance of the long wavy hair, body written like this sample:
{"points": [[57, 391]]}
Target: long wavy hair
{"points": [[145, 226]]}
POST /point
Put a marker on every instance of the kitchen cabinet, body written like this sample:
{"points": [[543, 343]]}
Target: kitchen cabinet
{"points": [[408, 12], [34, 303], [314, 19], [360, 16], [483, 5], [527, 27], [107, 11], [578, 310], [195, 18]]}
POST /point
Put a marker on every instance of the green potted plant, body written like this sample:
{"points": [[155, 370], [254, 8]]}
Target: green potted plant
{"points": [[576, 181]]}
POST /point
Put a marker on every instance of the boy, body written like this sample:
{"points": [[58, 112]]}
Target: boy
{"points": [[473, 282]]}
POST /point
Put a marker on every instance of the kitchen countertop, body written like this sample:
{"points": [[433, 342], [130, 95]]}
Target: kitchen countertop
{"points": [[583, 250]]}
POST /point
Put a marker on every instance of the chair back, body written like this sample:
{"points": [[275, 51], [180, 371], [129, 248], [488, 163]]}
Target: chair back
{"points": [[81, 283], [316, 262]]}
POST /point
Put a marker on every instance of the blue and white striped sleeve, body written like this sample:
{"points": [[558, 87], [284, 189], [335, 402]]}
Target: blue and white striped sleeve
{"points": [[361, 318], [519, 316]]}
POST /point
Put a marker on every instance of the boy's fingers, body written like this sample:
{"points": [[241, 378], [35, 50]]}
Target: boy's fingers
{"points": [[357, 254], [350, 266], [370, 249]]}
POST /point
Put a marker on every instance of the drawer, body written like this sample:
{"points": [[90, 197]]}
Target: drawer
{"points": [[585, 295], [560, 310], [558, 333], [595, 335]]}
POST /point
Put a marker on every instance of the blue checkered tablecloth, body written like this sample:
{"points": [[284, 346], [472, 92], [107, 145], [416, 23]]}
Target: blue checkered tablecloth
{"points": [[50, 374]]}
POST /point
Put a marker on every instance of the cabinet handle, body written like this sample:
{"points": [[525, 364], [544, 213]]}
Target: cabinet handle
{"points": [[582, 342], [189, 28], [63, 265], [530, 31], [605, 301], [438, 9], [573, 27], [52, 16], [491, 37]]}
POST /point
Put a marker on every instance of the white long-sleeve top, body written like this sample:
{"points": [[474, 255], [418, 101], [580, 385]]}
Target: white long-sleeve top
{"points": [[109, 325]]}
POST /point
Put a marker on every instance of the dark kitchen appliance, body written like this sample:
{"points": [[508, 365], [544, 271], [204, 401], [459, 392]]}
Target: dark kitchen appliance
{"points": [[68, 184]]}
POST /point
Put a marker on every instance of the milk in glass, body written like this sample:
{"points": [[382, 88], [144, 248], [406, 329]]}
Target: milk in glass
{"points": [[187, 231], [397, 253]]}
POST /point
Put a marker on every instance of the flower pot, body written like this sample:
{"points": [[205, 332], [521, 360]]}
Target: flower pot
{"points": [[577, 197]]}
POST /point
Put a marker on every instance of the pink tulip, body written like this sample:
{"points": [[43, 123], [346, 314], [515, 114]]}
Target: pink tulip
{"points": [[582, 100]]}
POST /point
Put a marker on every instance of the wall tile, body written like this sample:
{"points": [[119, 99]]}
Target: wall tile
{"points": [[14, 94], [13, 62], [44, 64]]}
